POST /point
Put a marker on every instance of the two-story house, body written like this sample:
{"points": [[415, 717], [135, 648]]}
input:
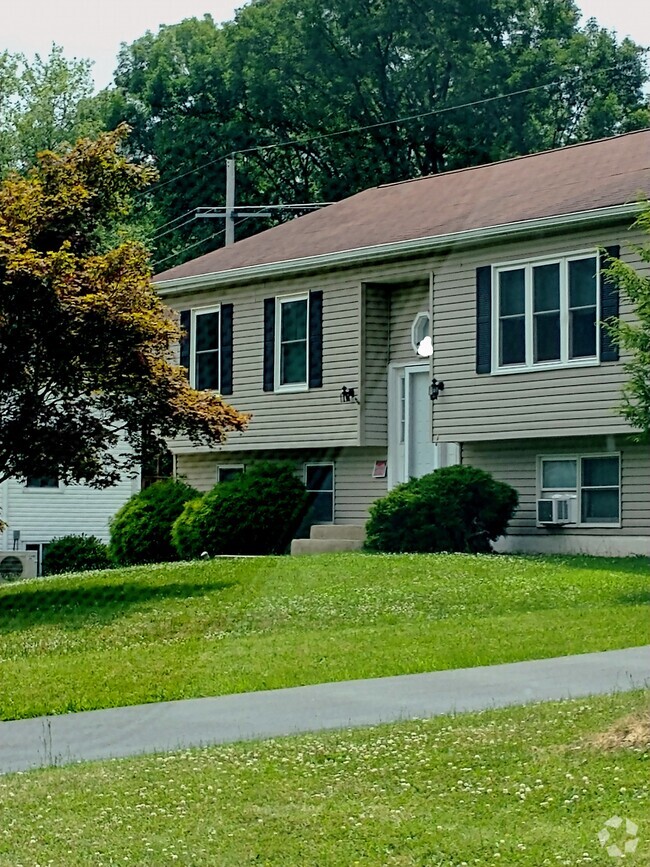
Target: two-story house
{"points": [[502, 265]]}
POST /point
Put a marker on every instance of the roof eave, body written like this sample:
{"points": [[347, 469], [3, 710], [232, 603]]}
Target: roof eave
{"points": [[286, 267]]}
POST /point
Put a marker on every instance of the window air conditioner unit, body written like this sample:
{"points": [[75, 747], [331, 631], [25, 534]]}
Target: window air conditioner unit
{"points": [[16, 565], [556, 510]]}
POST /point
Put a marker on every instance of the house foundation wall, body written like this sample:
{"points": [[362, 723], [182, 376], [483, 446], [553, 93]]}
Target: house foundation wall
{"points": [[597, 546]]}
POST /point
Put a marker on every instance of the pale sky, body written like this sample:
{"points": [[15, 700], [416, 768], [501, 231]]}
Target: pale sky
{"points": [[94, 29]]}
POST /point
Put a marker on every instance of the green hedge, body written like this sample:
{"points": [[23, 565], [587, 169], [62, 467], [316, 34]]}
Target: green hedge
{"points": [[141, 530], [257, 512], [459, 508], [75, 554]]}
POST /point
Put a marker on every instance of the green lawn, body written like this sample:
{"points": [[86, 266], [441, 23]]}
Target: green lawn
{"points": [[184, 630], [528, 786]]}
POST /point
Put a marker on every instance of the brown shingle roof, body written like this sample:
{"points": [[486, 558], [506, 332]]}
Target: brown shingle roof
{"points": [[582, 177]]}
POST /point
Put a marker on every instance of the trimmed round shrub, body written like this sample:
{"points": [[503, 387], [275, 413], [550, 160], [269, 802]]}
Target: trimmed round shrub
{"points": [[257, 512], [187, 535], [75, 554], [141, 530], [459, 508]]}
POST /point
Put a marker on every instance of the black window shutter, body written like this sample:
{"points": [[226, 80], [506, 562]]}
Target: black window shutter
{"points": [[225, 346], [484, 319], [609, 304], [269, 344], [316, 339], [186, 325]]}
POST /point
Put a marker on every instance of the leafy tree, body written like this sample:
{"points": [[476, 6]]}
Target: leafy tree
{"points": [[8, 92], [44, 103], [85, 342], [172, 89], [634, 335], [195, 91]]}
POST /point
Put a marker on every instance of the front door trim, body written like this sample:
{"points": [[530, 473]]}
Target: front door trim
{"points": [[399, 458]]}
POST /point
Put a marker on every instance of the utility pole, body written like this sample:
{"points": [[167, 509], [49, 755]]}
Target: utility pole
{"points": [[230, 201], [230, 213]]}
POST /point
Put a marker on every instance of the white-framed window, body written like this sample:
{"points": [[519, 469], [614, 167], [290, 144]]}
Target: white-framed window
{"points": [[292, 342], [205, 348], [594, 481], [419, 329], [546, 312], [319, 481], [42, 482], [226, 472]]}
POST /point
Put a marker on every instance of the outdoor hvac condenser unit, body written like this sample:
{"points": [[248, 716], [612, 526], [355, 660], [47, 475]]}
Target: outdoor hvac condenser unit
{"points": [[16, 565]]}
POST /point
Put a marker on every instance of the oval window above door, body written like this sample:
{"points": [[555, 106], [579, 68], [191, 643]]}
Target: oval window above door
{"points": [[419, 329]]}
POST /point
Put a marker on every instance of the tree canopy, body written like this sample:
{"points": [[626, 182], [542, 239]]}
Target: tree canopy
{"points": [[85, 343], [480, 81], [43, 103]]}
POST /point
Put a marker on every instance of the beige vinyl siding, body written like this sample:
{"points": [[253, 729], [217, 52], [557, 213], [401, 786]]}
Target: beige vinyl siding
{"points": [[200, 469], [388, 312], [579, 400], [356, 490], [518, 467], [405, 303], [374, 375], [354, 487], [291, 419]]}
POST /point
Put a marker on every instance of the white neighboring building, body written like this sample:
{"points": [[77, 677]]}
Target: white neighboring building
{"points": [[43, 510]]}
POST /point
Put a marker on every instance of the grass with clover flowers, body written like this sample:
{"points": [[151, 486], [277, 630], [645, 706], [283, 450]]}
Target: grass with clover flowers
{"points": [[183, 630], [529, 786]]}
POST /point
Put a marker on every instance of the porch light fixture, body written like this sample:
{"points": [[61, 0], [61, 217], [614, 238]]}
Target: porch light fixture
{"points": [[435, 388]]}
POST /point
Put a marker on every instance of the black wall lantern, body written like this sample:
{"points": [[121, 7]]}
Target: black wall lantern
{"points": [[348, 395], [435, 388]]}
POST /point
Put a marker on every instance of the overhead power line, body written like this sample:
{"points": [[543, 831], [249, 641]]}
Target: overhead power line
{"points": [[177, 226], [406, 119], [182, 216], [189, 247], [351, 130], [195, 244]]}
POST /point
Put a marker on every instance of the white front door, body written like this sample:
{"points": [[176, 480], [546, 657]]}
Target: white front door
{"points": [[411, 450]]}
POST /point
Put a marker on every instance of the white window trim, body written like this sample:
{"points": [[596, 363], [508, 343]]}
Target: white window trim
{"points": [[31, 490], [291, 386], [398, 449], [528, 264], [578, 490], [323, 464], [220, 467], [200, 311]]}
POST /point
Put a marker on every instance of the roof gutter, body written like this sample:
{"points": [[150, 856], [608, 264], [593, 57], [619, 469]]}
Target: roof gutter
{"points": [[412, 246]]}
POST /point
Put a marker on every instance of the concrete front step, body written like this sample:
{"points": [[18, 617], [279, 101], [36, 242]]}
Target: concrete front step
{"points": [[325, 546], [338, 531]]}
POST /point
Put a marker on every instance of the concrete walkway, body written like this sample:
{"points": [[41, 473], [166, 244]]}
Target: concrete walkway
{"points": [[173, 725]]}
